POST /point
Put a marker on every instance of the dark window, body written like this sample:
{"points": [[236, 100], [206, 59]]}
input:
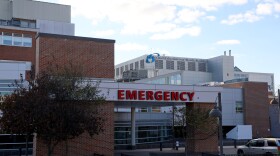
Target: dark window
{"points": [[126, 67], [260, 143], [191, 66], [137, 65], [141, 64], [169, 64], [271, 143], [117, 72], [121, 70], [131, 66], [159, 64], [202, 66], [180, 65], [7, 38]]}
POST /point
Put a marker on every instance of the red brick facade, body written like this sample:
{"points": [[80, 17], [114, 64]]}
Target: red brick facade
{"points": [[18, 53], [255, 107], [94, 56], [203, 142]]}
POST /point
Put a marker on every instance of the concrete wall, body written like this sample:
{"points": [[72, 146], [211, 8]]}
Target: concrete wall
{"points": [[5, 10], [26, 9], [222, 68], [229, 98]]}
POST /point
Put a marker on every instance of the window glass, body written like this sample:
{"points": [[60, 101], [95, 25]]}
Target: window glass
{"points": [[191, 66], [136, 65], [260, 143], [17, 39], [24, 24], [180, 65], [156, 109], [144, 109], [27, 41], [169, 64], [159, 64], [131, 66], [7, 38], [271, 143], [32, 25], [1, 38], [141, 64], [239, 106], [117, 72]]}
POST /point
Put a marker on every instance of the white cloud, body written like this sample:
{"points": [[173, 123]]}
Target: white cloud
{"points": [[131, 47], [277, 7], [177, 33], [228, 42], [210, 18], [141, 17], [104, 33], [264, 9], [189, 16], [248, 16]]}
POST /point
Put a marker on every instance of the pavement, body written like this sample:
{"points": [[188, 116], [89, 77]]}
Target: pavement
{"points": [[228, 151]]}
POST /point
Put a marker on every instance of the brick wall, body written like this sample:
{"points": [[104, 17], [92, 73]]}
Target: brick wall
{"points": [[256, 106], [18, 53], [84, 145], [200, 141], [94, 57]]}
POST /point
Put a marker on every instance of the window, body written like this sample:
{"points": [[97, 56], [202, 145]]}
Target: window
{"points": [[271, 143], [202, 66], [27, 40], [180, 65], [24, 24], [260, 143], [117, 72], [1, 38], [17, 40], [7, 38], [141, 64], [239, 106], [156, 109], [137, 65], [131, 66], [121, 70], [126, 67], [191, 66], [159, 64], [143, 109], [169, 64], [32, 25]]}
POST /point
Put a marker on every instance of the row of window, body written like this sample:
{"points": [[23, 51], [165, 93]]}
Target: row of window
{"points": [[14, 39], [181, 65], [125, 68], [19, 23]]}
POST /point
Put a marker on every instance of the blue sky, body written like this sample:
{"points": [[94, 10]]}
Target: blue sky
{"points": [[186, 28]]}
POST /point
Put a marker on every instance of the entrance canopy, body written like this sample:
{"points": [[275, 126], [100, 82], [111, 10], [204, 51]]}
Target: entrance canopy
{"points": [[142, 95]]}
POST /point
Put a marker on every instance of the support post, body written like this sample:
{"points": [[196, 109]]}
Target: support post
{"points": [[133, 145], [220, 125]]}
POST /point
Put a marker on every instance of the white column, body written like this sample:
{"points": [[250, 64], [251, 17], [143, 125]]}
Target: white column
{"points": [[133, 145]]}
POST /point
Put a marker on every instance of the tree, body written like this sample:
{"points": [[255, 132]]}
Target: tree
{"points": [[57, 105]]}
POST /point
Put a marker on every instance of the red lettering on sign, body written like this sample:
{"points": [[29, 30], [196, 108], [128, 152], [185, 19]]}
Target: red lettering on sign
{"points": [[121, 94], [182, 98], [131, 95], [174, 96], [149, 95], [191, 95], [166, 96], [141, 95], [158, 95]]}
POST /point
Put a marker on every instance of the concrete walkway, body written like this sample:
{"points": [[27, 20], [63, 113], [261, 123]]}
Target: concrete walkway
{"points": [[228, 151]]}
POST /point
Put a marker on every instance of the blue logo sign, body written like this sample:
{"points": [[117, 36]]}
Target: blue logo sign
{"points": [[152, 57]]}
